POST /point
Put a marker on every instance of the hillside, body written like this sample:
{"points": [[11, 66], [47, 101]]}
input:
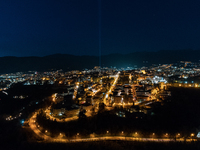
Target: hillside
{"points": [[72, 62]]}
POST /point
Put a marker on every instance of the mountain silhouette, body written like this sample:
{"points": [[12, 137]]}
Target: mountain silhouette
{"points": [[68, 62]]}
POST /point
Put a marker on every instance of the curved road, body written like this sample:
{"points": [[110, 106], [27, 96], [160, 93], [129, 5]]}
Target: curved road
{"points": [[47, 138]]}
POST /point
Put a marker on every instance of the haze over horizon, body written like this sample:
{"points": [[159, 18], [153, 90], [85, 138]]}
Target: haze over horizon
{"points": [[40, 28]]}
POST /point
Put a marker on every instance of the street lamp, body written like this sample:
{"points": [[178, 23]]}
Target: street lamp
{"points": [[153, 135], [107, 131], [77, 133], [166, 135], [192, 135], [45, 131]]}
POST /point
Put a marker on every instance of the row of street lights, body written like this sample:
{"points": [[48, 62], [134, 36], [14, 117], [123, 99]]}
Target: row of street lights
{"points": [[136, 133], [178, 135], [192, 134]]}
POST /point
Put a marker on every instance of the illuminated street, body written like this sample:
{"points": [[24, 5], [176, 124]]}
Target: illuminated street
{"points": [[32, 124], [111, 88]]}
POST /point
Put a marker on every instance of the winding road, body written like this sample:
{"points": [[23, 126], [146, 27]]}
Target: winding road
{"points": [[33, 126]]}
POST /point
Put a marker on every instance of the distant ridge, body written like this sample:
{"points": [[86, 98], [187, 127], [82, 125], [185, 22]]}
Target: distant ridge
{"points": [[67, 62]]}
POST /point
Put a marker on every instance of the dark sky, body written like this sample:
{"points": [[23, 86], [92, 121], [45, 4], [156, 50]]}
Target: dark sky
{"points": [[43, 27]]}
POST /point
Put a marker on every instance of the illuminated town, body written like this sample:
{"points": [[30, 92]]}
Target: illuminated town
{"points": [[99, 75], [79, 105]]}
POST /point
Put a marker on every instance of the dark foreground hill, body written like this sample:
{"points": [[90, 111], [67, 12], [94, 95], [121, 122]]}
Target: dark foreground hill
{"points": [[72, 62]]}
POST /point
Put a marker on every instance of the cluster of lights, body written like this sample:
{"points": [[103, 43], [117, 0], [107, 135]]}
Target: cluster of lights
{"points": [[9, 118], [117, 76], [190, 85], [96, 91], [54, 97], [157, 79], [12, 118]]}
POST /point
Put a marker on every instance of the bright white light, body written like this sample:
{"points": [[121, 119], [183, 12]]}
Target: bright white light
{"points": [[198, 135], [5, 92], [122, 100]]}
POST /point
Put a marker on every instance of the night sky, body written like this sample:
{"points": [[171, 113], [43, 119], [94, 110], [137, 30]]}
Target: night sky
{"points": [[44, 27]]}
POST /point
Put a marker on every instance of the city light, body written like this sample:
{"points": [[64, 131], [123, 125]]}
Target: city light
{"points": [[135, 100], [198, 135], [22, 122]]}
